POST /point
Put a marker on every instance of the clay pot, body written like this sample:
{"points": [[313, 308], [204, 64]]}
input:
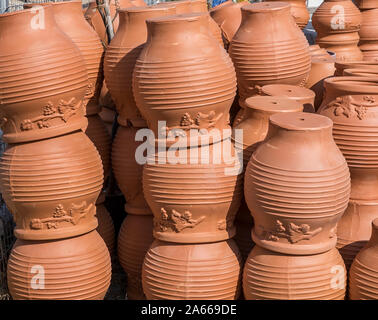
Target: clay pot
{"points": [[192, 202], [105, 226], [302, 95], [121, 56], [274, 276], [321, 68], [277, 53], [94, 19], [299, 12], [337, 23], [97, 132], [115, 5], [128, 172], [369, 25], [72, 269], [192, 271], [51, 186], [243, 239], [134, 240], [363, 280], [297, 185], [47, 100], [70, 19], [340, 66], [351, 103], [361, 72], [228, 17], [200, 6], [182, 76], [255, 121], [105, 98]]}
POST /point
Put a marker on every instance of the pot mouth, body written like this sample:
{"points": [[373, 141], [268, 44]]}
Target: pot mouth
{"points": [[320, 59], [287, 90], [354, 84], [265, 6], [219, 7], [194, 16], [301, 121], [273, 104]]}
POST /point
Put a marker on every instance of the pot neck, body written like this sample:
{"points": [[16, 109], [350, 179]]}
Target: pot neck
{"points": [[134, 19], [175, 29], [199, 6], [68, 10]]}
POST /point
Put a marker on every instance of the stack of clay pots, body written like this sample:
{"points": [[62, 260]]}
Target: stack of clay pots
{"points": [[351, 103], [51, 173], [268, 48], [369, 29], [297, 188], [135, 236], [186, 80], [337, 23]]}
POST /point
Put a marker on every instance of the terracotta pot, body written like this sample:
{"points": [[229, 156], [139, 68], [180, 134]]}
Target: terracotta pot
{"points": [[340, 66], [128, 172], [182, 76], [134, 240], [192, 271], [274, 276], [115, 5], [361, 72], [121, 56], [192, 202], [47, 100], [105, 226], [107, 116], [105, 98], [97, 132], [321, 68], [299, 12], [94, 19], [70, 19], [72, 269], [351, 103], [243, 239], [255, 122], [337, 23], [228, 17], [200, 6], [304, 96], [297, 185], [363, 280], [277, 53], [51, 186], [369, 25]]}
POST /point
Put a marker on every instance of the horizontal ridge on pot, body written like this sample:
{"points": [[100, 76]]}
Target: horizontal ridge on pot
{"points": [[270, 275], [43, 81], [51, 186], [190, 86], [295, 192], [192, 271], [74, 269]]}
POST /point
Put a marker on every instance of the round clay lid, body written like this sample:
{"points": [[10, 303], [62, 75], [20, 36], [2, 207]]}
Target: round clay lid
{"points": [[265, 6], [351, 64], [286, 90], [273, 104], [301, 121], [364, 72]]}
